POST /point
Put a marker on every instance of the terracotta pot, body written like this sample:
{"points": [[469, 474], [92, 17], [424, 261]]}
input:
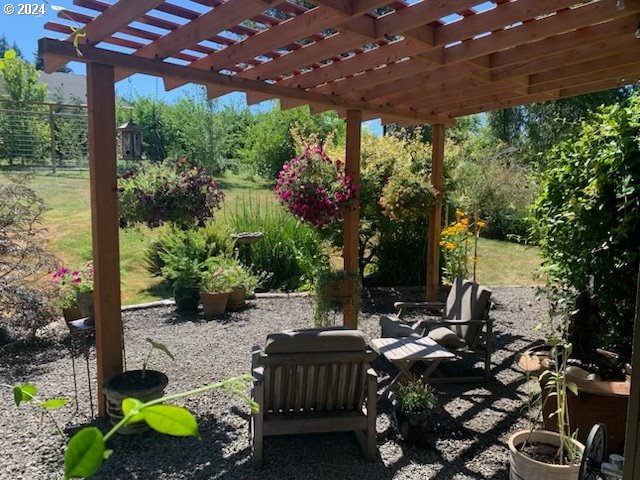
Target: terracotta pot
{"points": [[85, 304], [71, 314], [187, 299], [236, 298], [214, 304], [523, 467], [598, 401], [131, 384]]}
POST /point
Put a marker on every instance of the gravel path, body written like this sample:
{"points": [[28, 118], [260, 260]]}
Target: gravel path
{"points": [[477, 418]]}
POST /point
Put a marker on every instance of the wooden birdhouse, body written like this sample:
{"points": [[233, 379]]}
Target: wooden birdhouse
{"points": [[131, 141]]}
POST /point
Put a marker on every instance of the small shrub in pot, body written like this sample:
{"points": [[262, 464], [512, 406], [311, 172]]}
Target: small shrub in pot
{"points": [[412, 407]]}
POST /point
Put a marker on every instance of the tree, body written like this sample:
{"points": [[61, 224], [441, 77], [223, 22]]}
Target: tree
{"points": [[23, 135], [5, 46]]}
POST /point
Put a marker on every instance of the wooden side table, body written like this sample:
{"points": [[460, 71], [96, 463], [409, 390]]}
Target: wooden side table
{"points": [[405, 352]]}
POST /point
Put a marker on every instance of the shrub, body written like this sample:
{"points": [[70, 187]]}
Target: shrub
{"points": [[211, 240], [25, 306], [154, 194], [67, 282], [290, 252], [393, 230], [588, 215], [416, 398]]}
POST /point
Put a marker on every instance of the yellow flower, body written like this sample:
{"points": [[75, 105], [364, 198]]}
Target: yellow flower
{"points": [[451, 245], [443, 243], [460, 214], [481, 223]]}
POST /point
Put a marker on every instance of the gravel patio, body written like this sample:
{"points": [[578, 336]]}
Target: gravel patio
{"points": [[476, 418]]}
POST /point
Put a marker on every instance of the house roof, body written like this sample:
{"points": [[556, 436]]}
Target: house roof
{"points": [[428, 61]]}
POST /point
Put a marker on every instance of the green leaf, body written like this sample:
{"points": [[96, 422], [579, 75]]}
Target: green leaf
{"points": [[172, 420], [160, 346], [85, 453], [106, 454], [573, 388], [24, 393], [10, 54], [54, 403], [132, 405]]}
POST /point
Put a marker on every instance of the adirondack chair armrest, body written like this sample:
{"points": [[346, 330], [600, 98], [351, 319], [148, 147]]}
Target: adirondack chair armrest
{"points": [[433, 307], [446, 323], [256, 369]]}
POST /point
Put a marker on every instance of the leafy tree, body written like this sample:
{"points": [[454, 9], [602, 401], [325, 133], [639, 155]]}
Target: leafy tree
{"points": [[22, 134], [269, 142], [5, 47], [536, 128], [589, 215]]}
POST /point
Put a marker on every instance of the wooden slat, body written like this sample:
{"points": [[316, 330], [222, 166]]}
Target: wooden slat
{"points": [[560, 43], [525, 100], [103, 179], [603, 49], [49, 47]]}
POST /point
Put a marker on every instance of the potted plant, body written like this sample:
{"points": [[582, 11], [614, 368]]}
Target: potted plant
{"points": [[413, 404], [602, 377], [75, 292], [183, 271], [144, 385], [543, 454], [218, 280], [332, 288], [244, 283]]}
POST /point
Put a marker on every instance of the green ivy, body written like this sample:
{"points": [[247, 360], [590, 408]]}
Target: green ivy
{"points": [[588, 215]]}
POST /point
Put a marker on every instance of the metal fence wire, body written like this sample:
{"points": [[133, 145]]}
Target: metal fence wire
{"points": [[39, 134]]}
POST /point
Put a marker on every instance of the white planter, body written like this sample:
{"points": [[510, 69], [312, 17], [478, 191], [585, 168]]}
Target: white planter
{"points": [[523, 467]]}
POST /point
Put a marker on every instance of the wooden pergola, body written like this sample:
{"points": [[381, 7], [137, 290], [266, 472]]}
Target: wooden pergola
{"points": [[418, 62]]}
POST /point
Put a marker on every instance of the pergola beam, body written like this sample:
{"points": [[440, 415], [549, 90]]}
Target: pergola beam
{"points": [[57, 48]]}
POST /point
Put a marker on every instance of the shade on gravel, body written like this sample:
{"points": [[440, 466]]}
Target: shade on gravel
{"points": [[476, 419]]}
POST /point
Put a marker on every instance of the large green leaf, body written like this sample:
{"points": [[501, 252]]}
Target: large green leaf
{"points": [[54, 403], [160, 346], [24, 393], [132, 405], [172, 420], [85, 453]]}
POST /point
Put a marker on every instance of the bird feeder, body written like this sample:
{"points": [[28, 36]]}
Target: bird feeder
{"points": [[131, 141]]}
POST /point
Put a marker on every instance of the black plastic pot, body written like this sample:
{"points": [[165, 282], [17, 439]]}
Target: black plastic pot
{"points": [[131, 384], [187, 299], [412, 427]]}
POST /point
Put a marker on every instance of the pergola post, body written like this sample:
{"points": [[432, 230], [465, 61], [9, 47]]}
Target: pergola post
{"points": [[632, 438], [352, 215], [104, 223], [435, 213]]}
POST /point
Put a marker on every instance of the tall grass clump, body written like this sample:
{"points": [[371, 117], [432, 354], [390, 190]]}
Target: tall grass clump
{"points": [[290, 252]]}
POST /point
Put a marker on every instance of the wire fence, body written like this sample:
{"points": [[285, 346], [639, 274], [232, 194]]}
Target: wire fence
{"points": [[40, 134]]}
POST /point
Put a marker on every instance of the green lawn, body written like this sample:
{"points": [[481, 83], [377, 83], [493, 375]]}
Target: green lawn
{"points": [[69, 223]]}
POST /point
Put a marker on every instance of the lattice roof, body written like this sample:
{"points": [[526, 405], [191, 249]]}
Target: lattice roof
{"points": [[426, 61]]}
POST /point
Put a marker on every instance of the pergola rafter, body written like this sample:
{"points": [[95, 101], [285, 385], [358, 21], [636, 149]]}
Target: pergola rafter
{"points": [[428, 61]]}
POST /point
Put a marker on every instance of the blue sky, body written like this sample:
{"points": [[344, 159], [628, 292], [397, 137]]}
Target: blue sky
{"points": [[25, 30]]}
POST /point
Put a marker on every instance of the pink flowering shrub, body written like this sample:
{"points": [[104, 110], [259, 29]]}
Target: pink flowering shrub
{"points": [[67, 282], [314, 188]]}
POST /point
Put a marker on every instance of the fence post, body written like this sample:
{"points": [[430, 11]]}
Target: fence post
{"points": [[52, 132]]}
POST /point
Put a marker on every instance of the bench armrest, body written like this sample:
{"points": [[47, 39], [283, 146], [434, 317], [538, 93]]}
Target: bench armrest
{"points": [[446, 323]]}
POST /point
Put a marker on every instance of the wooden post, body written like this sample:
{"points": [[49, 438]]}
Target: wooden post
{"points": [[632, 438], [104, 223], [435, 214], [352, 215]]}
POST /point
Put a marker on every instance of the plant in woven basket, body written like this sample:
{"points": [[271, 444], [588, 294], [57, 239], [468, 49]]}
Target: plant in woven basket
{"points": [[315, 188], [334, 288], [407, 197]]}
